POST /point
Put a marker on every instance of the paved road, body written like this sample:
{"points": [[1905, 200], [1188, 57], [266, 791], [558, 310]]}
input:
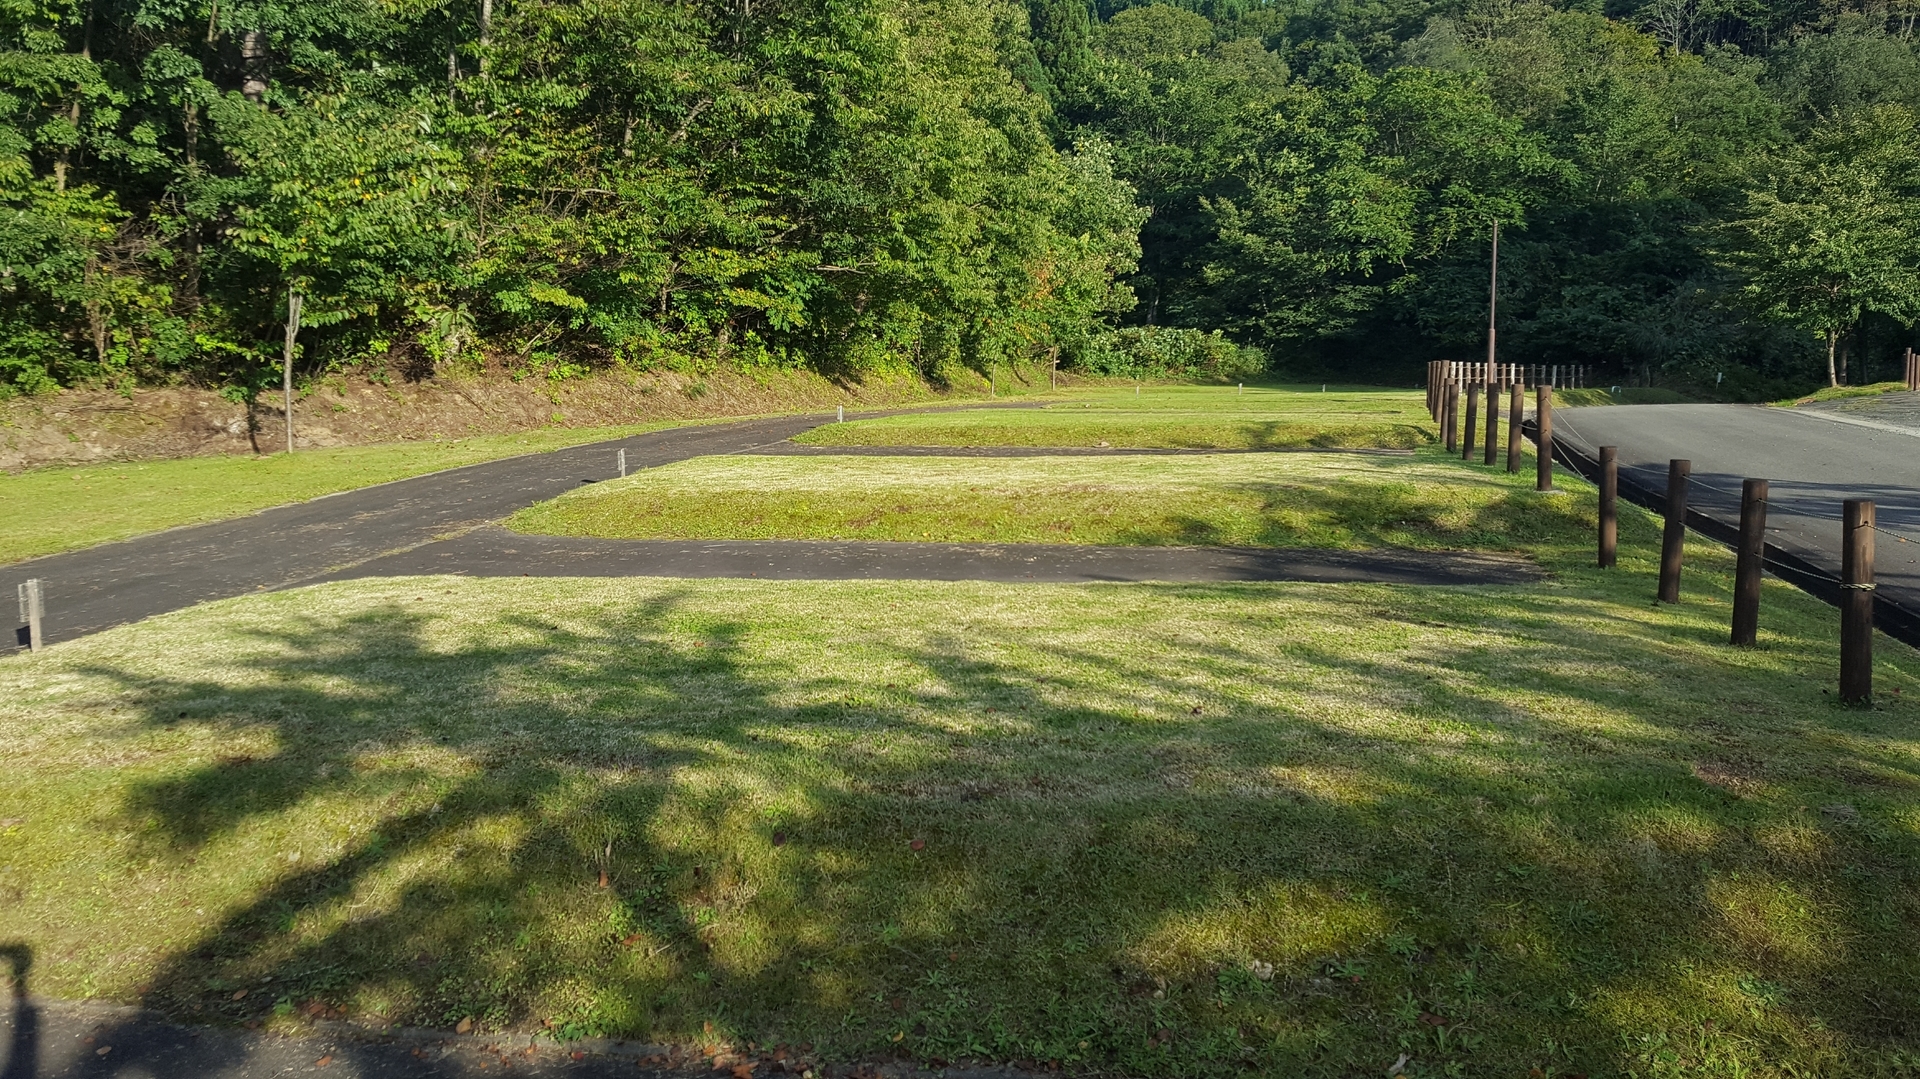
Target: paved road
{"points": [[1812, 463], [378, 530]]}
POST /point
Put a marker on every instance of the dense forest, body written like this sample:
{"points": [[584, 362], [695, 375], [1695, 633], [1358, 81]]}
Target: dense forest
{"points": [[1688, 190]]}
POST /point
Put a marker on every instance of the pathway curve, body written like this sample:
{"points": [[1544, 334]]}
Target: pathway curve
{"points": [[442, 523]]}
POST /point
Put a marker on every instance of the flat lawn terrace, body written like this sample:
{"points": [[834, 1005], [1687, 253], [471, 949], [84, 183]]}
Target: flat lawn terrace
{"points": [[1129, 829], [1180, 417]]}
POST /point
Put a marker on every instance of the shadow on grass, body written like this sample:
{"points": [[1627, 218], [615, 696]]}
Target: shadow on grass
{"points": [[1484, 842]]}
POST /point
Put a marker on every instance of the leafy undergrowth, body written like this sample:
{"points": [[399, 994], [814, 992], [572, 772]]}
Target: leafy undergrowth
{"points": [[1627, 395], [1177, 417], [1285, 500], [1841, 393], [1289, 830], [60, 509]]}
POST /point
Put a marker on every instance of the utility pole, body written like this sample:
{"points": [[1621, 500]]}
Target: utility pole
{"points": [[1493, 294], [286, 361]]}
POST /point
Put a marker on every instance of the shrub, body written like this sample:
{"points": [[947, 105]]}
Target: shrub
{"points": [[1168, 352]]}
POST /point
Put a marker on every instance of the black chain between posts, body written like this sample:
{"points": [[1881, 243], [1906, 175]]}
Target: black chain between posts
{"points": [[1792, 569]]}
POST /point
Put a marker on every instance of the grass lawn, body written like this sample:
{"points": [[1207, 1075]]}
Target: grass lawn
{"points": [[1841, 393], [1289, 500], [1165, 417], [61, 509], [1486, 831], [1628, 395]]}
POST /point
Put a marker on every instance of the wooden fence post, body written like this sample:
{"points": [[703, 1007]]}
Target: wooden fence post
{"points": [[1856, 603], [1750, 562], [1609, 505], [1493, 421], [1543, 438], [1450, 407], [1516, 412], [1473, 422], [1673, 539]]}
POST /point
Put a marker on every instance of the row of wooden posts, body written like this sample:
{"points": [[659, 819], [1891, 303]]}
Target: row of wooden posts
{"points": [[1750, 559], [1913, 370], [1448, 383]]}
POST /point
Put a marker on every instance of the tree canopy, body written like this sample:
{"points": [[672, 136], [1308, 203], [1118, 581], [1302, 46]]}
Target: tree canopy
{"points": [[933, 185]]}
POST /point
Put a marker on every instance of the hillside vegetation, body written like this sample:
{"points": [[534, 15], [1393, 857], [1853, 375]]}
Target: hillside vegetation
{"points": [[1690, 195]]}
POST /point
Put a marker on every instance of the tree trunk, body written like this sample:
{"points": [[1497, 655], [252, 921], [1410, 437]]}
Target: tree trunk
{"points": [[1833, 341], [253, 60], [486, 33]]}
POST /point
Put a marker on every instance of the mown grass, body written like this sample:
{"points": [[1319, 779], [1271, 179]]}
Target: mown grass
{"points": [[60, 509], [1479, 831], [1628, 395], [1492, 830], [1165, 417], [1283, 500], [1841, 393]]}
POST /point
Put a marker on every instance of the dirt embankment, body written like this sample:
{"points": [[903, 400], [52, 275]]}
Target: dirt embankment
{"points": [[79, 426]]}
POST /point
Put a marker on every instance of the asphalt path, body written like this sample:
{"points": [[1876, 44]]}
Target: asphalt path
{"points": [[90, 590], [1812, 464], [437, 520]]}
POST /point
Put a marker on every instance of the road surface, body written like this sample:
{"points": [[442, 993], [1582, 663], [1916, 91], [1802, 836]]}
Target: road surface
{"points": [[1812, 462]]}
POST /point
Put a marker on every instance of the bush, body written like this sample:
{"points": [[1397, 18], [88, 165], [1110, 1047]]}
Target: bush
{"points": [[1168, 352]]}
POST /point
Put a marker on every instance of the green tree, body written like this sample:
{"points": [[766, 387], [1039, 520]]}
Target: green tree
{"points": [[1834, 234]]}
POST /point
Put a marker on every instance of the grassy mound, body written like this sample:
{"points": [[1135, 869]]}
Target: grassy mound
{"points": [[1178, 417], [1292, 500]]}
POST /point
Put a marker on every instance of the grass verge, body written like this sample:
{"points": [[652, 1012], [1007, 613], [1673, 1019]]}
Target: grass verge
{"points": [[1289, 830], [1841, 393], [1164, 417], [1628, 395], [1283, 500], [63, 509]]}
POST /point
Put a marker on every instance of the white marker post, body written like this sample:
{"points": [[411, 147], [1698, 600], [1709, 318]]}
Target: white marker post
{"points": [[841, 411], [32, 608], [621, 457]]}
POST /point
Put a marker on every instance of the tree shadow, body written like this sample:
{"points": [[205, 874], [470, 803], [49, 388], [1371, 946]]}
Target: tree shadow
{"points": [[1002, 838]]}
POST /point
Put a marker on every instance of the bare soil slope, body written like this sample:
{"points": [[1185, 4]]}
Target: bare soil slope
{"points": [[79, 426]]}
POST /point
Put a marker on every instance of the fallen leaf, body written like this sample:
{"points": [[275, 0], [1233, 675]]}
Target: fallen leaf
{"points": [[239, 994], [464, 1026], [578, 1055], [900, 1036], [743, 1071], [603, 879], [1432, 1020], [103, 1050], [323, 1061], [631, 939], [918, 844]]}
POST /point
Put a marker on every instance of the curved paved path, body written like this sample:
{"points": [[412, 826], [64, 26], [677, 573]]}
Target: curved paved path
{"points": [[432, 524]]}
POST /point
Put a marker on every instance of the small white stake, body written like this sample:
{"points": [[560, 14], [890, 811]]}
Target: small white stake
{"points": [[841, 411], [622, 458], [31, 610]]}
